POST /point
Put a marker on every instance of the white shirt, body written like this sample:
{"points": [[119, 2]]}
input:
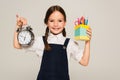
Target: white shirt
{"points": [[73, 49]]}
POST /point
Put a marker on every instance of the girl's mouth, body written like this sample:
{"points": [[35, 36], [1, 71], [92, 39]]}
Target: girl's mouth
{"points": [[55, 28]]}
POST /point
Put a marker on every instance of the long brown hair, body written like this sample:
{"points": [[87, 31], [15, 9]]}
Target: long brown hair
{"points": [[48, 13]]}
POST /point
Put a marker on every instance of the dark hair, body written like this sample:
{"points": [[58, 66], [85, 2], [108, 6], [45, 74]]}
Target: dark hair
{"points": [[48, 13]]}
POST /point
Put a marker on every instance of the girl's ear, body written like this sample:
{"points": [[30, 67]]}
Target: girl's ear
{"points": [[64, 24]]}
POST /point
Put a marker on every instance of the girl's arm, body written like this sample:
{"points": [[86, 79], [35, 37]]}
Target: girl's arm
{"points": [[86, 54], [15, 40], [20, 22]]}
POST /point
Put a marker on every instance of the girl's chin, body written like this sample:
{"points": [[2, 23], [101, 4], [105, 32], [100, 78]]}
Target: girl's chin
{"points": [[55, 33]]}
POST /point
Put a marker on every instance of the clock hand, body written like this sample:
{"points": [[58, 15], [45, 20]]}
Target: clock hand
{"points": [[25, 37]]}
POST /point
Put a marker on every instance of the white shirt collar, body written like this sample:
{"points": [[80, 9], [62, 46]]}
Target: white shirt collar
{"points": [[57, 36], [57, 39]]}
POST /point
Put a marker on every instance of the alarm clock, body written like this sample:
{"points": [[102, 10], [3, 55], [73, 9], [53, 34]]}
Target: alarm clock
{"points": [[25, 36]]}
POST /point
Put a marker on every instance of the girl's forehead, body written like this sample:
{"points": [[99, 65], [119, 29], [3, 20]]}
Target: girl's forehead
{"points": [[56, 14]]}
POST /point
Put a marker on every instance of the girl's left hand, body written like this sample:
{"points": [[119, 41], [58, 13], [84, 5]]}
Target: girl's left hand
{"points": [[89, 32]]}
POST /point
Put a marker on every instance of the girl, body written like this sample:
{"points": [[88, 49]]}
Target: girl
{"points": [[54, 48]]}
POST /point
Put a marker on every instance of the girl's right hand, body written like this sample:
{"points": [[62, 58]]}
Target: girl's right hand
{"points": [[21, 21]]}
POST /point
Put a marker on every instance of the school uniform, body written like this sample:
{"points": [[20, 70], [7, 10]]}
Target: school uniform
{"points": [[54, 63]]}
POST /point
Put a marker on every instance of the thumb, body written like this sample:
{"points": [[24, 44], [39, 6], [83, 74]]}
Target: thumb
{"points": [[19, 22], [17, 17]]}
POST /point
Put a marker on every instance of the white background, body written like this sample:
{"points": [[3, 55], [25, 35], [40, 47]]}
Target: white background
{"points": [[104, 18]]}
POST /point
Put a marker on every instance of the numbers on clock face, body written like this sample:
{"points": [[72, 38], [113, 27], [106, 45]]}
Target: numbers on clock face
{"points": [[24, 37]]}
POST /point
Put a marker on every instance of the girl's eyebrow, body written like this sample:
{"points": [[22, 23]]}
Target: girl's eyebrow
{"points": [[58, 19]]}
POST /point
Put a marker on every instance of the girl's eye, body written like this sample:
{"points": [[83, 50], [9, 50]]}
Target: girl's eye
{"points": [[60, 20], [51, 20]]}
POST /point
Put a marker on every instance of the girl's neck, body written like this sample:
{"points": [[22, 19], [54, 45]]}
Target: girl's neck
{"points": [[50, 33]]}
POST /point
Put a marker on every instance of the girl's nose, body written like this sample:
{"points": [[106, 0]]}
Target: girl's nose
{"points": [[55, 24]]}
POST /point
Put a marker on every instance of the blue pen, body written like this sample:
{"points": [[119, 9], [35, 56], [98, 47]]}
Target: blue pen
{"points": [[86, 21]]}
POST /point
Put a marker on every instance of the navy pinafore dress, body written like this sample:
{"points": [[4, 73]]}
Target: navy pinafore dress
{"points": [[54, 65]]}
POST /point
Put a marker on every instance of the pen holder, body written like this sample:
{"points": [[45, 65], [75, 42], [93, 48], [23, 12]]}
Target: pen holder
{"points": [[80, 32]]}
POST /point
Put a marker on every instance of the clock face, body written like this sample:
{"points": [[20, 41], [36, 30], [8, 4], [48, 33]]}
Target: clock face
{"points": [[24, 37]]}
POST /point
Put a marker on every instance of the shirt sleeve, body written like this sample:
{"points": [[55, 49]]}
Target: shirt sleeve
{"points": [[74, 50], [37, 47]]}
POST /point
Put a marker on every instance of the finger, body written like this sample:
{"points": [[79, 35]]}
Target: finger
{"points": [[89, 32], [89, 36], [19, 21], [23, 20], [17, 17]]}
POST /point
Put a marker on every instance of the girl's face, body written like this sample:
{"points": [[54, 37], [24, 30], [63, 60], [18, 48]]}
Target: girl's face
{"points": [[56, 22]]}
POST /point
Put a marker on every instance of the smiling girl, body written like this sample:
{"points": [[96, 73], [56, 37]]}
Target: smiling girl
{"points": [[54, 47]]}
